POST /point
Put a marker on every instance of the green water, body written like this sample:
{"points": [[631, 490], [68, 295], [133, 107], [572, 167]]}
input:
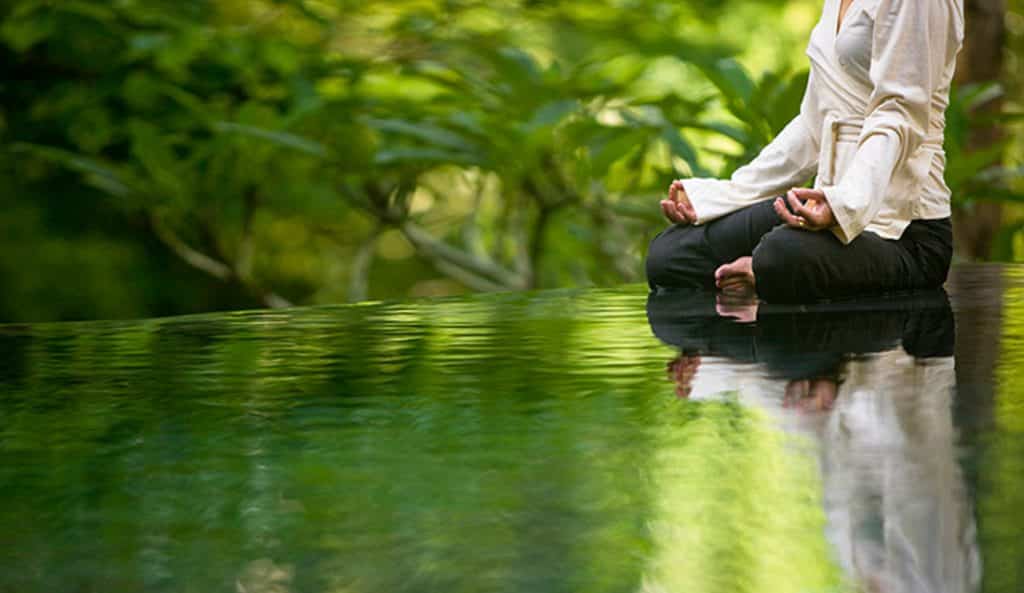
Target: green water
{"points": [[521, 442]]}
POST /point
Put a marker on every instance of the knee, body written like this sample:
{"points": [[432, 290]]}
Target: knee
{"points": [[658, 262], [675, 257], [773, 254], [778, 260]]}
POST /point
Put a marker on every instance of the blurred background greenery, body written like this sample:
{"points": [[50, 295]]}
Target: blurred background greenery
{"points": [[165, 157]]}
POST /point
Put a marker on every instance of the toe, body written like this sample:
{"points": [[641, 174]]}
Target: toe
{"points": [[724, 271]]}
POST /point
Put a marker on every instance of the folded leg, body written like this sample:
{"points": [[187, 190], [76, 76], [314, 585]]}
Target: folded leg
{"points": [[686, 256], [793, 265]]}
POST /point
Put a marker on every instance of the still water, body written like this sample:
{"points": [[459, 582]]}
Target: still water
{"points": [[583, 441]]}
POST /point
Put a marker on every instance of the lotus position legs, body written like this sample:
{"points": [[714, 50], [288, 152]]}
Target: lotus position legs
{"points": [[777, 249]]}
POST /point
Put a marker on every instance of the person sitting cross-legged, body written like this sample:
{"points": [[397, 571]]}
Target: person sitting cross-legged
{"points": [[870, 132]]}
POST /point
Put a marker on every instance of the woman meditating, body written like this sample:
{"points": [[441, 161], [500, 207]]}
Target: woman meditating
{"points": [[870, 132]]}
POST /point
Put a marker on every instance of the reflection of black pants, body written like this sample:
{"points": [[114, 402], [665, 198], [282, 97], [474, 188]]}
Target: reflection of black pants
{"points": [[793, 265], [806, 341]]}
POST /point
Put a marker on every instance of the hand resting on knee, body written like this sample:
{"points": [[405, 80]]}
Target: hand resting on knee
{"points": [[808, 209]]}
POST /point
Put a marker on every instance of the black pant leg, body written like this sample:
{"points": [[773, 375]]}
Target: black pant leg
{"points": [[679, 257], [793, 265], [737, 234], [686, 256], [930, 243]]}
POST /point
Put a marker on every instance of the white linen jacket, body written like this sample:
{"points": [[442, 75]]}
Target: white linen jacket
{"points": [[871, 122]]}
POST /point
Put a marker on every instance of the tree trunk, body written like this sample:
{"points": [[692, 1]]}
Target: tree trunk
{"points": [[981, 60]]}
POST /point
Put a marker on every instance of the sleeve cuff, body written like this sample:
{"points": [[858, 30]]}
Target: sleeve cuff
{"points": [[696, 192], [713, 198], [847, 226]]}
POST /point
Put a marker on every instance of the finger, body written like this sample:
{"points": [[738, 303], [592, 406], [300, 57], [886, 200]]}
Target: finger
{"points": [[733, 286], [669, 208], [679, 191], [733, 281], [788, 217], [808, 194], [798, 207], [680, 198], [814, 201], [668, 211], [733, 290], [810, 197], [687, 209], [780, 210], [665, 210], [803, 210], [676, 191], [680, 213]]}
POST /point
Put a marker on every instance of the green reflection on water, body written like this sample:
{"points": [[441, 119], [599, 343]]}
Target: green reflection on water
{"points": [[735, 506], [1001, 491], [509, 442]]}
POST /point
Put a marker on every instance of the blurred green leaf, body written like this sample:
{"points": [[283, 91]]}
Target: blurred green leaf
{"points": [[282, 139], [428, 133]]}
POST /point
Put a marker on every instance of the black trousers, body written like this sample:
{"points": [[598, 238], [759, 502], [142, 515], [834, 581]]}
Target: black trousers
{"points": [[797, 266]]}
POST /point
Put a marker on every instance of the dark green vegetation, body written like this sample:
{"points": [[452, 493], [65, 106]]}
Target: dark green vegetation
{"points": [[515, 442], [163, 157]]}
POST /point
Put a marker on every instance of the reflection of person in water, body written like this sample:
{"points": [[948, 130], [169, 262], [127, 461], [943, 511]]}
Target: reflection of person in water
{"points": [[872, 385]]}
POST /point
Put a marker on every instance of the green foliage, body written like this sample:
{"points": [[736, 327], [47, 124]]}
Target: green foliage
{"points": [[977, 174], [309, 152]]}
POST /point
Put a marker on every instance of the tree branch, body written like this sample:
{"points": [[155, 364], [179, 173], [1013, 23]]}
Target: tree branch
{"points": [[467, 278], [536, 246], [192, 257], [276, 301], [438, 250], [211, 266], [243, 261], [520, 243], [359, 281], [471, 227]]}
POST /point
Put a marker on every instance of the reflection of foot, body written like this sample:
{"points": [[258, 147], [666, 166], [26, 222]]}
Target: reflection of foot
{"points": [[796, 391], [741, 308], [817, 395], [823, 395], [681, 371], [736, 278]]}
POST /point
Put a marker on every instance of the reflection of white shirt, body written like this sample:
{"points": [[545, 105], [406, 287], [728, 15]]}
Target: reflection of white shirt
{"points": [[871, 123], [897, 507]]}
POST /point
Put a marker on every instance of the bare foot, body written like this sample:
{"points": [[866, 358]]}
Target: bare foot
{"points": [[736, 278]]}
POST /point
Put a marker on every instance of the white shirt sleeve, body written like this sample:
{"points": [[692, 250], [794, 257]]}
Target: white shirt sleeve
{"points": [[909, 55], [789, 160]]}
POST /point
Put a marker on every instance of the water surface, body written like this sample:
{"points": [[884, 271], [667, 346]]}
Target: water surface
{"points": [[592, 440]]}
